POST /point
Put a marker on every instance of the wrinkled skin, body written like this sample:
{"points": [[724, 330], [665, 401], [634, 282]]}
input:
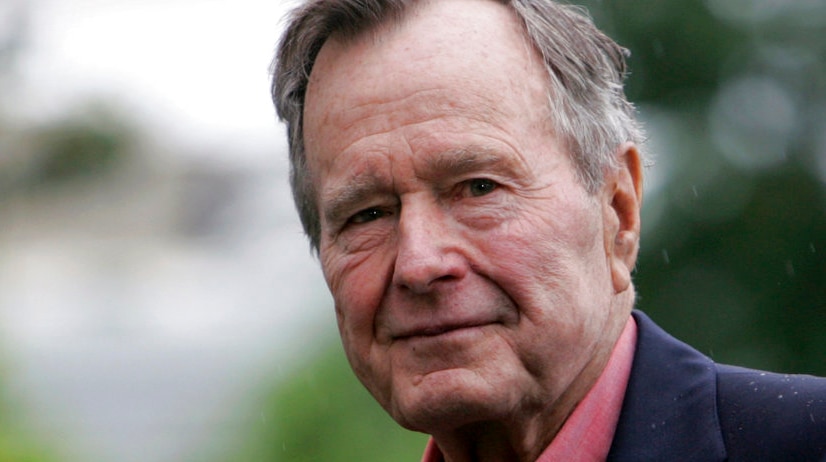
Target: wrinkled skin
{"points": [[479, 288]]}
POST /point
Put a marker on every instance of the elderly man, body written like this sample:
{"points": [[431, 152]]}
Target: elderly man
{"points": [[469, 172]]}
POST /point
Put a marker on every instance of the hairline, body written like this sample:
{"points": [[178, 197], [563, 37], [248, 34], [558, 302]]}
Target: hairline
{"points": [[302, 176]]}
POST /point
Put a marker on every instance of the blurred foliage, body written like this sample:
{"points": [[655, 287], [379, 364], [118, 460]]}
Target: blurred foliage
{"points": [[17, 448], [735, 263], [16, 443], [733, 257], [750, 288], [323, 413], [77, 149], [88, 143]]}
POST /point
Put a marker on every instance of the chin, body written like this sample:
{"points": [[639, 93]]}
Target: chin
{"points": [[447, 400]]}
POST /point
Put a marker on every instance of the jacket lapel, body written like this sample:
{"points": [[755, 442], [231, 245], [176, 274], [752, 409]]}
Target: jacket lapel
{"points": [[670, 406]]}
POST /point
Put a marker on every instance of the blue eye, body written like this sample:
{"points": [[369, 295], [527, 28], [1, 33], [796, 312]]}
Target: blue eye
{"points": [[367, 215], [481, 186]]}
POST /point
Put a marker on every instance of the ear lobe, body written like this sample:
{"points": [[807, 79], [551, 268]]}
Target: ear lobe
{"points": [[622, 225]]}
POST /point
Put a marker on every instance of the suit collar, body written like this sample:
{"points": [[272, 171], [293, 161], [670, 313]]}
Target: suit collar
{"points": [[670, 406]]}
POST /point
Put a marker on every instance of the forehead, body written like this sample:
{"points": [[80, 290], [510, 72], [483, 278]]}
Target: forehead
{"points": [[452, 72], [440, 46]]}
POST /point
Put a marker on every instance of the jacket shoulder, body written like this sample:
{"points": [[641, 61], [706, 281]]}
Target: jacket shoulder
{"points": [[768, 416]]}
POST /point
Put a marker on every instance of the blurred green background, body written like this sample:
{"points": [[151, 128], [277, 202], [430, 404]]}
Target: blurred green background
{"points": [[733, 259]]}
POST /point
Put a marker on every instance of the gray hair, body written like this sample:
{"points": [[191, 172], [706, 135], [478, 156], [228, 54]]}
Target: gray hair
{"points": [[586, 70]]}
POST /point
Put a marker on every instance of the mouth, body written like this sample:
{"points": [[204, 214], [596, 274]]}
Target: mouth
{"points": [[438, 330]]}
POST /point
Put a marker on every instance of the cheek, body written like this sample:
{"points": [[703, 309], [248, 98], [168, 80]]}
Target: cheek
{"points": [[357, 283], [532, 248], [550, 263]]}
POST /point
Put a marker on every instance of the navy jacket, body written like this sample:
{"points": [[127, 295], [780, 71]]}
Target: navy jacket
{"points": [[681, 406]]}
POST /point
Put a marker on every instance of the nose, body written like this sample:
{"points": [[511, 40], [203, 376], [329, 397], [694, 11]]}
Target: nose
{"points": [[429, 250]]}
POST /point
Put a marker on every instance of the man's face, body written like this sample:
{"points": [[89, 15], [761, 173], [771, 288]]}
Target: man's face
{"points": [[471, 271]]}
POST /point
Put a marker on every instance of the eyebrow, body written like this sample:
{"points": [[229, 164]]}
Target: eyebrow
{"points": [[358, 189], [455, 162]]}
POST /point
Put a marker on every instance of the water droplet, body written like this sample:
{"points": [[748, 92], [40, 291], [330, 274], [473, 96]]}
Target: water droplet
{"points": [[665, 257]]}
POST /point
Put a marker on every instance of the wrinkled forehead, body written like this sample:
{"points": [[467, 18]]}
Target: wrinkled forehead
{"points": [[444, 53]]}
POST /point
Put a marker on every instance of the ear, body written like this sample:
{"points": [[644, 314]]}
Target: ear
{"points": [[621, 213]]}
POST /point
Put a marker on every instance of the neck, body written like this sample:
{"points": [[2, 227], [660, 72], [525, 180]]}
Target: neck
{"points": [[499, 441]]}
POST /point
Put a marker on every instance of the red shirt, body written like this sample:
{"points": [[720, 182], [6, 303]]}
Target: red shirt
{"points": [[587, 434]]}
